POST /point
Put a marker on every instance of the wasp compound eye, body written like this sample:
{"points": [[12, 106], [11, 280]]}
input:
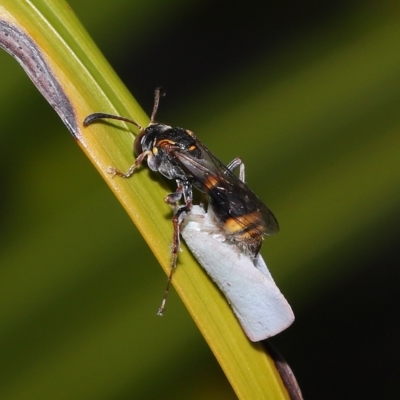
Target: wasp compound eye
{"points": [[137, 144]]}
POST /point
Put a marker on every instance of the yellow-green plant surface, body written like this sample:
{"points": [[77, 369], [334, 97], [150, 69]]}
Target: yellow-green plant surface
{"points": [[318, 129], [86, 80]]}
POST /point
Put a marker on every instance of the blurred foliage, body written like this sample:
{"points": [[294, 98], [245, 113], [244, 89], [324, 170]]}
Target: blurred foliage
{"points": [[308, 95]]}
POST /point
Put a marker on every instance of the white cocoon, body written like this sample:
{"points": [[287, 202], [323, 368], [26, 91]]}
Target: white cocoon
{"points": [[260, 307]]}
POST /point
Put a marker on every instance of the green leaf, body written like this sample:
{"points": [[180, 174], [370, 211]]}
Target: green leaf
{"points": [[89, 84]]}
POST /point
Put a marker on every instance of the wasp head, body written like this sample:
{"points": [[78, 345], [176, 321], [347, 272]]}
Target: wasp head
{"points": [[148, 137]]}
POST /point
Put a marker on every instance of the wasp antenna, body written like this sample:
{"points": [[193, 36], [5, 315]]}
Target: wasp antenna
{"points": [[161, 309], [94, 117], [159, 92]]}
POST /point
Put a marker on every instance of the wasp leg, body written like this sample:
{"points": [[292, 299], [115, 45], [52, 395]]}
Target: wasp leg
{"points": [[184, 188], [173, 198], [115, 171], [176, 221], [237, 162]]}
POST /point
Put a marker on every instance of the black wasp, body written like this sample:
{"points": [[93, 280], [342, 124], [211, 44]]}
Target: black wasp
{"points": [[177, 154]]}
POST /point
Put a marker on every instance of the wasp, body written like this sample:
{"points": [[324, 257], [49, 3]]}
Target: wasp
{"points": [[177, 154]]}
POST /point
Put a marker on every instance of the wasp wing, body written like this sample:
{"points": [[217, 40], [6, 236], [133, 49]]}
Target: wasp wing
{"points": [[224, 187]]}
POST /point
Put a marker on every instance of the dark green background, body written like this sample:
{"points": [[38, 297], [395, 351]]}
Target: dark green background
{"points": [[308, 94]]}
